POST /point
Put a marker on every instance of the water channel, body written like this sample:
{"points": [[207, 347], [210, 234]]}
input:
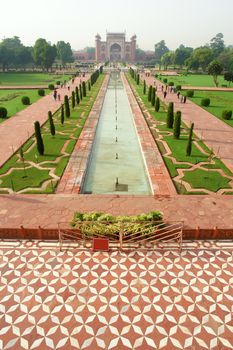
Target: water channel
{"points": [[116, 164]]}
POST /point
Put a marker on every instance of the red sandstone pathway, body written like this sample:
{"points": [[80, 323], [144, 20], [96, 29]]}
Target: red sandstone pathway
{"points": [[47, 210], [207, 88], [16, 130], [215, 133]]}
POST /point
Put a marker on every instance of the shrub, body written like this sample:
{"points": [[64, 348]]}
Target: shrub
{"points": [[205, 102], [165, 80], [189, 144], [58, 82], [190, 93], [157, 104], [67, 106], [73, 99], [25, 100], [51, 123], [149, 93], [84, 89], [39, 140], [144, 87], [227, 115], [62, 114], [170, 115], [178, 87], [77, 95], [171, 83], [89, 85], [51, 87], [224, 85], [177, 123], [41, 92], [153, 97], [3, 112]]}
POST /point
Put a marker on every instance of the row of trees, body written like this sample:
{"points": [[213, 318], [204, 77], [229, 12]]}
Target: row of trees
{"points": [[198, 58], [42, 55]]}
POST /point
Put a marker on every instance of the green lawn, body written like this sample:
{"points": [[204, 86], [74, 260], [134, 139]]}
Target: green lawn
{"points": [[18, 175], [196, 178], [219, 101], [194, 80], [31, 78], [11, 100]]}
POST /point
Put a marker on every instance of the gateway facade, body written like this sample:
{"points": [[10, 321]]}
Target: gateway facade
{"points": [[115, 48]]}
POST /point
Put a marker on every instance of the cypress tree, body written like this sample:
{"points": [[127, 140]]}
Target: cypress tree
{"points": [[153, 97], [149, 93], [67, 107], [157, 104], [51, 123], [39, 140], [144, 87], [73, 99], [177, 123], [89, 85], [77, 95], [189, 144], [80, 92], [62, 114], [84, 89], [138, 79], [170, 115]]}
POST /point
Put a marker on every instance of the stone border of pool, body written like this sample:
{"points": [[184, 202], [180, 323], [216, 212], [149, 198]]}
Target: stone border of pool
{"points": [[74, 174], [160, 181]]}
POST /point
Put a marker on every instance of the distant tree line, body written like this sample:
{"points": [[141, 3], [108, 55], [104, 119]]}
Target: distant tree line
{"points": [[13, 54]]}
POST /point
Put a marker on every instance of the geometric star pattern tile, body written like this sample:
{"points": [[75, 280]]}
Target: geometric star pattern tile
{"points": [[140, 300]]}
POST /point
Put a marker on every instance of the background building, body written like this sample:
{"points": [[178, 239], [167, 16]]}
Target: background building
{"points": [[115, 48]]}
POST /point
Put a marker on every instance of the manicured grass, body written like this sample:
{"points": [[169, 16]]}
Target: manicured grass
{"points": [[196, 177], [31, 78], [219, 101], [194, 80], [55, 157], [211, 180], [11, 100]]}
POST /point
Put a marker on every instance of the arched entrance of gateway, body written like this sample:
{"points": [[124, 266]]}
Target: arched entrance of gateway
{"points": [[115, 52]]}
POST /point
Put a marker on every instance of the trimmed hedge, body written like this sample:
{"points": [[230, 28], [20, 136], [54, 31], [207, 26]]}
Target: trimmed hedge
{"points": [[51, 87], [41, 92], [205, 102], [25, 100], [190, 93], [178, 87], [226, 114], [3, 112], [171, 83]]}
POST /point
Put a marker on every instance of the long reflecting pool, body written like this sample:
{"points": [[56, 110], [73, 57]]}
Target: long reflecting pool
{"points": [[116, 164]]}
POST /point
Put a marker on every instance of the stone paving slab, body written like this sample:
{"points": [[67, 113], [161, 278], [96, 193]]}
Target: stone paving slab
{"points": [[215, 133], [23, 87], [116, 300], [17, 129], [47, 210]]}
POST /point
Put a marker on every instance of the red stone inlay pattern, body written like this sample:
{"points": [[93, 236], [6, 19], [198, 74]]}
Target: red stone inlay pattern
{"points": [[84, 300]]}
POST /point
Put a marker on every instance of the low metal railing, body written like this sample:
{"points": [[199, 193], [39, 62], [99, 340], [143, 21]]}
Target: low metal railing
{"points": [[123, 235]]}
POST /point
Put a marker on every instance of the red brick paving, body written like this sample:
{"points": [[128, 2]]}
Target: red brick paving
{"points": [[16, 130], [23, 87], [215, 133]]}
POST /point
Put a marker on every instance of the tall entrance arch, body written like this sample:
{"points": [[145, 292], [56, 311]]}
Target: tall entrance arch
{"points": [[115, 52]]}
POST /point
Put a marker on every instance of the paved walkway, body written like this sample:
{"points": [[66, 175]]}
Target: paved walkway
{"points": [[140, 300], [216, 134], [47, 210], [16, 130]]}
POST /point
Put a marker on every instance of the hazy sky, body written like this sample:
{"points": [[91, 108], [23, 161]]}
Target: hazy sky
{"points": [[192, 23]]}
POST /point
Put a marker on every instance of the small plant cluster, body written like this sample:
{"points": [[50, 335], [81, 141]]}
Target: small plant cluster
{"points": [[95, 75], [25, 100], [109, 225], [190, 93], [155, 101], [41, 92]]}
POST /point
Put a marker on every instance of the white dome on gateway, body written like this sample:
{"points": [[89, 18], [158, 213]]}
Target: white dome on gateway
{"points": [[115, 48]]}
